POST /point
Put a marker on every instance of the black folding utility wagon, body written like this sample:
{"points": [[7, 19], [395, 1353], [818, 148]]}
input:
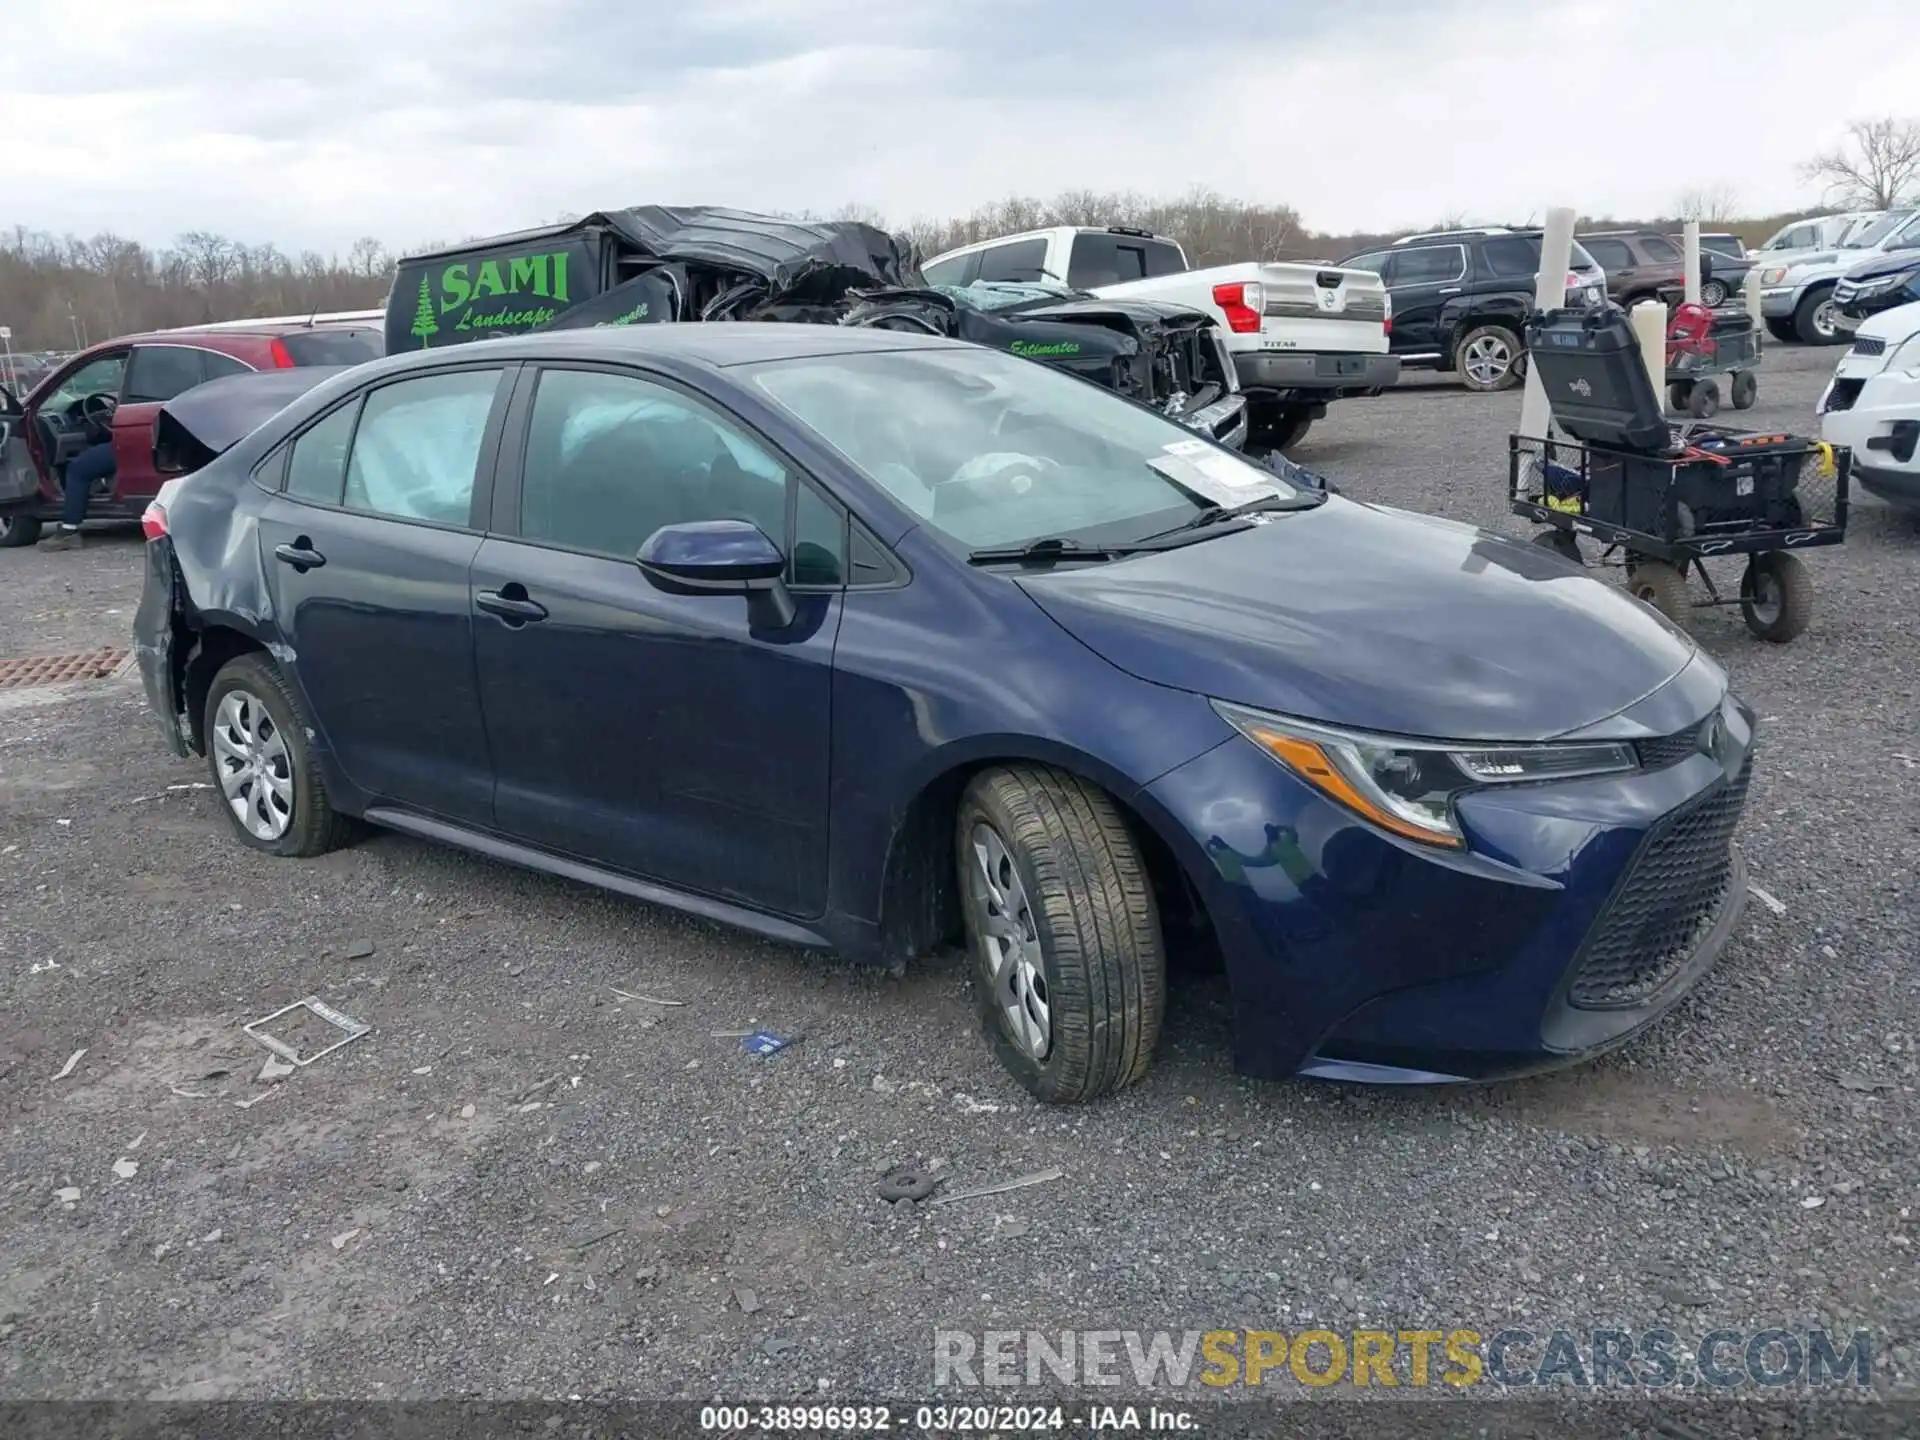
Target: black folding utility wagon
{"points": [[1662, 500]]}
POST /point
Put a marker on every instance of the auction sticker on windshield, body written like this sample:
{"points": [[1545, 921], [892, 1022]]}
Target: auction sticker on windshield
{"points": [[1212, 474]]}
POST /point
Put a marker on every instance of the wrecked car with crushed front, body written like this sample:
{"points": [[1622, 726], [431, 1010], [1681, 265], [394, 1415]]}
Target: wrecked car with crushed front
{"points": [[655, 264], [1170, 357], [871, 641]]}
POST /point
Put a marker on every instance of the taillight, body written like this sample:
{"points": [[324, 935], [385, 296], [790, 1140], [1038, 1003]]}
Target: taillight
{"points": [[1240, 303], [153, 520], [282, 357], [1574, 282], [1387, 325]]}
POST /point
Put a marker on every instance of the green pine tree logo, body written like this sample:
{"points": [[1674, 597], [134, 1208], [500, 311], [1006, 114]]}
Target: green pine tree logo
{"points": [[424, 325]]}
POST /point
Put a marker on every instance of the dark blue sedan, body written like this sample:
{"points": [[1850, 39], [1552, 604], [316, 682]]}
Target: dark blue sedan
{"points": [[872, 641]]}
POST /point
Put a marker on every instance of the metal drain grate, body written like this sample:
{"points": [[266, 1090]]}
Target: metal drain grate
{"points": [[59, 669]]}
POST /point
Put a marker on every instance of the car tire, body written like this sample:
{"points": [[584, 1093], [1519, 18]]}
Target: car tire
{"points": [[1488, 358], [262, 763], [1713, 294], [1782, 330], [1059, 910], [1662, 586], [1776, 596], [19, 531], [1275, 429], [1745, 389], [1813, 318]]}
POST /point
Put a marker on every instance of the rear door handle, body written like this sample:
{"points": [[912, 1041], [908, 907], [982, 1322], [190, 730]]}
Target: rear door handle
{"points": [[511, 604], [300, 554], [1451, 289]]}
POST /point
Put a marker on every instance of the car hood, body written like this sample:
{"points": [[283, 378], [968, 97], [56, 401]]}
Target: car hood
{"points": [[1377, 619], [1893, 262]]}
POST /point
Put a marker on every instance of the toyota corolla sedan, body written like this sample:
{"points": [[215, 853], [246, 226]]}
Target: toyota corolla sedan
{"points": [[872, 641]]}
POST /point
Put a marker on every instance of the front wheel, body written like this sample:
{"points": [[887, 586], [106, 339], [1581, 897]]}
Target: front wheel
{"points": [[1782, 329], [1813, 319], [19, 530], [1490, 358], [1746, 389], [1776, 596], [1068, 963], [262, 763], [1662, 586], [1704, 401]]}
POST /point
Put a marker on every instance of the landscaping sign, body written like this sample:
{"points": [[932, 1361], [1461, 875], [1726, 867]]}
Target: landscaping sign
{"points": [[450, 298]]}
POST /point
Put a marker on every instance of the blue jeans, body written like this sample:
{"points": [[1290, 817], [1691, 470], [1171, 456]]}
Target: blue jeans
{"points": [[93, 463]]}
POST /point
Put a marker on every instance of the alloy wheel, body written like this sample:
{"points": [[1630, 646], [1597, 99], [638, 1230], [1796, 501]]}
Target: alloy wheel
{"points": [[254, 765], [1823, 322], [1010, 943], [1488, 359]]}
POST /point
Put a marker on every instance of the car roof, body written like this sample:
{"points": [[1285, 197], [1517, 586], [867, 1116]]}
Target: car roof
{"points": [[718, 344]]}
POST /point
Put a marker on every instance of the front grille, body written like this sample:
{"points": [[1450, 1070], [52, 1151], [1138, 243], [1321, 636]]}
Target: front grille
{"points": [[1666, 904], [1844, 292], [1665, 750], [1869, 345]]}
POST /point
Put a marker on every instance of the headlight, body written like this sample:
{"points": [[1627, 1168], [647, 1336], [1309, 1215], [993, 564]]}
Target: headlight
{"points": [[1409, 786], [1773, 275]]}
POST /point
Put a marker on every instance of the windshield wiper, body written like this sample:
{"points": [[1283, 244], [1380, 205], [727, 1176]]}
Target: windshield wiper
{"points": [[1221, 513], [1053, 547]]}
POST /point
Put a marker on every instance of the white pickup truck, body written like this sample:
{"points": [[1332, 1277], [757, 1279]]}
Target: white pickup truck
{"points": [[1301, 336]]}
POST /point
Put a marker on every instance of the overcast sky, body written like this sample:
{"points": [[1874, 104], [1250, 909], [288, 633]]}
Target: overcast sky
{"points": [[311, 124]]}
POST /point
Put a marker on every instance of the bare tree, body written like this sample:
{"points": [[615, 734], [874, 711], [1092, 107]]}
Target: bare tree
{"points": [[1876, 166], [1710, 204]]}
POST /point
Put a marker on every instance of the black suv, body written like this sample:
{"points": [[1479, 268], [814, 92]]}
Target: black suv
{"points": [[1460, 298]]}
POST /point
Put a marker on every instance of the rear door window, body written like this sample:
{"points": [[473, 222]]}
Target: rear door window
{"points": [[1427, 265], [1512, 257], [334, 347], [1661, 249], [1106, 259], [1376, 262], [417, 448], [219, 365], [317, 470], [160, 372], [1019, 260], [952, 271], [1610, 254]]}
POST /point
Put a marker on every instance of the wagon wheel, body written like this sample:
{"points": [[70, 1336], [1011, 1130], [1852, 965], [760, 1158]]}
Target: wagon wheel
{"points": [[1562, 542], [1705, 400], [1746, 389], [1679, 393], [1776, 596], [1660, 585]]}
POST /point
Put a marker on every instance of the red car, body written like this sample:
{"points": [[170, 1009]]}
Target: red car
{"points": [[114, 392]]}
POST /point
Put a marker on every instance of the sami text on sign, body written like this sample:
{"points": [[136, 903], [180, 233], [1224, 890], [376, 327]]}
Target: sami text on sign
{"points": [[516, 292]]}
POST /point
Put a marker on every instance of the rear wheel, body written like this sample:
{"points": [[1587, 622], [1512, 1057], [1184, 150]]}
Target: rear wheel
{"points": [[1489, 358], [1704, 402], [1660, 585], [1746, 389], [1068, 963], [262, 763], [1278, 429], [19, 530], [1679, 393], [1713, 294], [1776, 596]]}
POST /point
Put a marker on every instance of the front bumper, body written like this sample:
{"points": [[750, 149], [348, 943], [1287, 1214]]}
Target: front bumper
{"points": [[1878, 419], [1307, 370], [1779, 302], [1581, 912], [1225, 421]]}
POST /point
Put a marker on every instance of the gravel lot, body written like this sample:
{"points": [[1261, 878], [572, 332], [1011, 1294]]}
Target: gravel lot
{"points": [[414, 1216]]}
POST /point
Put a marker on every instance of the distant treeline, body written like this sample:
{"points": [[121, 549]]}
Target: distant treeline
{"points": [[57, 291]]}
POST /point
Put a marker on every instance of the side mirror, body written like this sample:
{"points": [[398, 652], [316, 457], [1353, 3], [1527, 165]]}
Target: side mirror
{"points": [[721, 557], [1706, 266]]}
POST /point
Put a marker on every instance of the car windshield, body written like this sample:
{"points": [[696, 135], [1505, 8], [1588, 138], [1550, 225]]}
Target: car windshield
{"points": [[1874, 233], [991, 450]]}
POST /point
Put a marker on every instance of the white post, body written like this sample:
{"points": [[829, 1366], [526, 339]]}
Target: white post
{"points": [[1690, 247], [1649, 320], [1752, 288], [1550, 293]]}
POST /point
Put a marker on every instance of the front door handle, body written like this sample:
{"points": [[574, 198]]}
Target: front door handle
{"points": [[511, 604], [300, 554], [1451, 290]]}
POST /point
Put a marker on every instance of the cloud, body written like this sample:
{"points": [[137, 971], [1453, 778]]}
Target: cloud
{"points": [[312, 124]]}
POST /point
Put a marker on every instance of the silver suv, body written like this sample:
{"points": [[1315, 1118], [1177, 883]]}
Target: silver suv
{"points": [[1796, 288]]}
